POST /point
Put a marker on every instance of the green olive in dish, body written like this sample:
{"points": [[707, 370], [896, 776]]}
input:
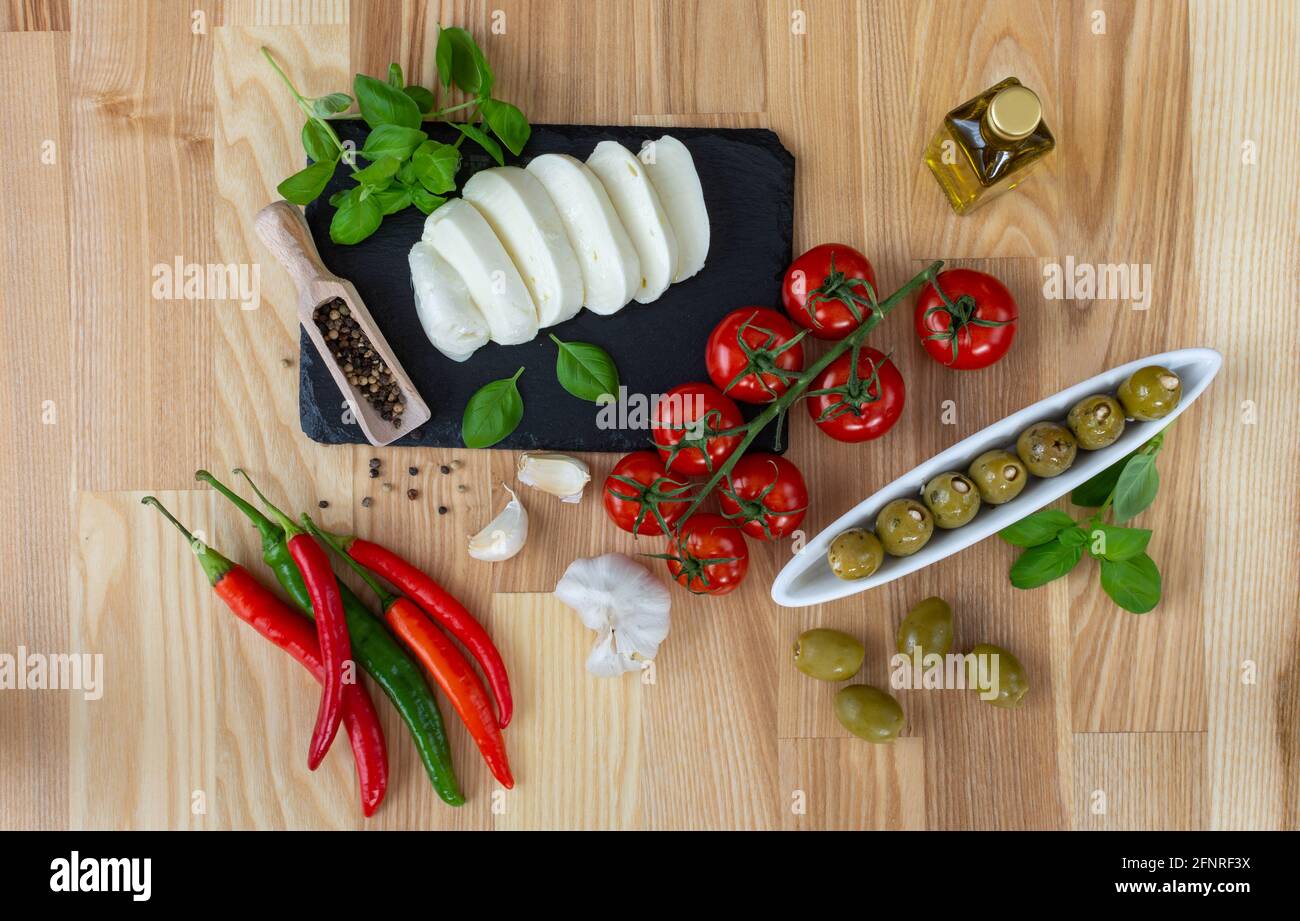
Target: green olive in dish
{"points": [[828, 655], [1012, 683], [1097, 421], [904, 526], [855, 554], [1047, 449], [999, 476], [928, 627], [1150, 393], [869, 713], [952, 498]]}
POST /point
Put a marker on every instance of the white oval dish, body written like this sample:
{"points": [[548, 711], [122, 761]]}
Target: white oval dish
{"points": [[807, 579]]}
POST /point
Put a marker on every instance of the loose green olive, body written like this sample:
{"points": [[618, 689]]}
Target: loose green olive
{"points": [[1047, 449], [904, 526], [999, 476], [928, 626], [855, 554], [1150, 393], [1097, 421], [1011, 684], [869, 713], [952, 498], [828, 655]]}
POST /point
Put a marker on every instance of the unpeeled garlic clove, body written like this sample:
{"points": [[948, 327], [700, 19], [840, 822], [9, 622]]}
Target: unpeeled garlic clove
{"points": [[557, 474], [504, 535]]}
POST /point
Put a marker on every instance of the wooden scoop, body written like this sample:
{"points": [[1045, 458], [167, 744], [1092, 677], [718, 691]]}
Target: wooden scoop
{"points": [[285, 233]]}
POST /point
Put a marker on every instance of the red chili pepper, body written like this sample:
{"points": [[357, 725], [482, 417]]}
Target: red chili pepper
{"points": [[439, 655], [441, 606], [265, 613], [331, 625]]}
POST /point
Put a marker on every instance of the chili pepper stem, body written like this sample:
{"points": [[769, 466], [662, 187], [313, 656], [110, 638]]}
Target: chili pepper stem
{"points": [[801, 382], [283, 520], [339, 544], [215, 566]]}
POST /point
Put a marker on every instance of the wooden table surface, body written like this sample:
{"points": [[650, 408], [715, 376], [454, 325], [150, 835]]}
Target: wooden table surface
{"points": [[140, 133]]}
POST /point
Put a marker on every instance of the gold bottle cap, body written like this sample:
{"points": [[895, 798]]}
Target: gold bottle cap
{"points": [[1015, 112]]}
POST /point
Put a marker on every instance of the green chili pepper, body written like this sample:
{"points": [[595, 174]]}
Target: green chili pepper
{"points": [[376, 651]]}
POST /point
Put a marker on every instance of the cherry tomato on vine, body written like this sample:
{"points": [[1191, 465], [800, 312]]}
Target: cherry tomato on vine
{"points": [[685, 420], [640, 496], [861, 406], [829, 290], [708, 555], [766, 495], [749, 350], [966, 319]]}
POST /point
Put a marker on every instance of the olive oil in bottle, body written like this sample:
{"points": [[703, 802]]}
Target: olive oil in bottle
{"points": [[987, 145]]}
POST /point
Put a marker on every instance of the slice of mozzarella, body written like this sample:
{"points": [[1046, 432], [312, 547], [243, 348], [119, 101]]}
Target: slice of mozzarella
{"points": [[611, 271], [524, 220], [451, 321], [672, 173], [637, 203], [463, 238]]}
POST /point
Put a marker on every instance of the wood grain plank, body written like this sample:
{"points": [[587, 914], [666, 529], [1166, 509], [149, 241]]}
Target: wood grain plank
{"points": [[40, 413], [851, 785], [1147, 781], [34, 16]]}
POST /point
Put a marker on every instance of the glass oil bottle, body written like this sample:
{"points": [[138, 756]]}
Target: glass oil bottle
{"points": [[987, 145]]}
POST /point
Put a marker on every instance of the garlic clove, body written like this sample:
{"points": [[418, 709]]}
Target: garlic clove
{"points": [[504, 535], [556, 474]]}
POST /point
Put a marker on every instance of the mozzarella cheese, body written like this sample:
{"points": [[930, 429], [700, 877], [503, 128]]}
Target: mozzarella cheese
{"points": [[637, 203], [463, 238], [672, 173], [611, 270], [520, 212], [451, 321]]}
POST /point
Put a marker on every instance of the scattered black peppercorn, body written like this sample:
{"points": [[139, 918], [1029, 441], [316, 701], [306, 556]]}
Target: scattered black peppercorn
{"points": [[374, 462], [444, 469], [323, 504], [413, 470], [374, 474], [412, 493], [442, 510], [367, 502]]}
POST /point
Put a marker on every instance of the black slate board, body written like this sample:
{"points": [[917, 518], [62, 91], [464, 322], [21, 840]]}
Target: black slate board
{"points": [[748, 182]]}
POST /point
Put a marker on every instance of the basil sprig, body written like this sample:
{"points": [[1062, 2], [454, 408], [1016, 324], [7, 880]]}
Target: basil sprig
{"points": [[1054, 543], [492, 413], [421, 170]]}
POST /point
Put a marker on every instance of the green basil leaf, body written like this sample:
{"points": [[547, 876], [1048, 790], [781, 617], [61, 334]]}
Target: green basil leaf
{"points": [[332, 104], [492, 413], [425, 200], [436, 165], [382, 105], [1112, 543], [1136, 487], [406, 173], [392, 141], [356, 219], [337, 198], [392, 200], [395, 76], [1045, 563], [1036, 529], [507, 123], [1093, 492], [1073, 537], [423, 98], [317, 142], [306, 185], [469, 68], [585, 370], [483, 139], [1133, 584], [443, 58], [378, 175]]}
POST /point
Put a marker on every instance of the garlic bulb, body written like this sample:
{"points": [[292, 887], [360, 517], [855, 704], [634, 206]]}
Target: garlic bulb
{"points": [[557, 474], [626, 606], [505, 534]]}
